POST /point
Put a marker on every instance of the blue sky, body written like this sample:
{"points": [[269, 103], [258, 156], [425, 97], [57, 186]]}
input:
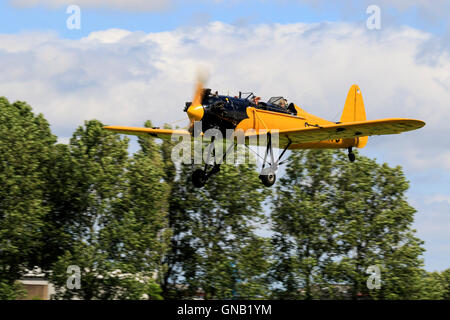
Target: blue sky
{"points": [[41, 17], [126, 62]]}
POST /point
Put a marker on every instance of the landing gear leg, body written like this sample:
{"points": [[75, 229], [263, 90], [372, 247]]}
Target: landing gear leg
{"points": [[351, 155], [268, 175], [200, 176]]}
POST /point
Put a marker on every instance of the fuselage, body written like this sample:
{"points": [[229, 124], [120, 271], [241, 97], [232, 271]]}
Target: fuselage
{"points": [[226, 112]]}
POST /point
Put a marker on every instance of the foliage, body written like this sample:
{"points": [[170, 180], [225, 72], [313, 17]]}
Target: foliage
{"points": [[333, 219], [434, 285], [25, 145], [304, 224], [216, 251], [121, 227], [11, 291], [446, 284]]}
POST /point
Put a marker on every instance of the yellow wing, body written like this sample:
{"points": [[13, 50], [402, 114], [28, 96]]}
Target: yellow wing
{"points": [[341, 131], [346, 130], [158, 133]]}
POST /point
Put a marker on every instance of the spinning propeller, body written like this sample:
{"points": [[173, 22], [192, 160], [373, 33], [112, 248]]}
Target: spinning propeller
{"points": [[195, 109]]}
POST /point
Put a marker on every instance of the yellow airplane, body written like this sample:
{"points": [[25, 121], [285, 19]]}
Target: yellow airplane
{"points": [[296, 129]]}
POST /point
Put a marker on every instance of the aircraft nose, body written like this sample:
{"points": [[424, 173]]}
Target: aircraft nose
{"points": [[195, 113]]}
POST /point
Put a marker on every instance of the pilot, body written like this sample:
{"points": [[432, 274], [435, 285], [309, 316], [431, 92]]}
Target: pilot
{"points": [[283, 103]]}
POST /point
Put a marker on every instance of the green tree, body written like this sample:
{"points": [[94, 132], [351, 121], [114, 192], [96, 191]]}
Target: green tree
{"points": [[446, 280], [62, 196], [168, 278], [332, 219], [304, 223], [375, 229], [139, 234], [25, 147], [98, 159], [11, 291], [215, 248], [432, 286], [121, 230]]}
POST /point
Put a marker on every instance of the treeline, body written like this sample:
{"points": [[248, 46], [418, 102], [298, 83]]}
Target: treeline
{"points": [[137, 229]]}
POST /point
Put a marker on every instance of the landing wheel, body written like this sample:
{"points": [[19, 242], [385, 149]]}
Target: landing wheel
{"points": [[268, 179], [198, 178], [351, 157]]}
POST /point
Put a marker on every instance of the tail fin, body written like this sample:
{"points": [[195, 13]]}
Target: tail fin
{"points": [[354, 111]]}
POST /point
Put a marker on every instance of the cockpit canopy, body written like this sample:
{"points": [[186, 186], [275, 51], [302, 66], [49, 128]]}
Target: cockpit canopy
{"points": [[247, 96], [277, 101]]}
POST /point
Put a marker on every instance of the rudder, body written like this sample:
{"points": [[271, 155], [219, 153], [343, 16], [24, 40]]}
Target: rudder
{"points": [[354, 111]]}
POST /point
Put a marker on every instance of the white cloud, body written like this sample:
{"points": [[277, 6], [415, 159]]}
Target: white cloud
{"points": [[108, 36], [438, 198], [124, 77]]}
